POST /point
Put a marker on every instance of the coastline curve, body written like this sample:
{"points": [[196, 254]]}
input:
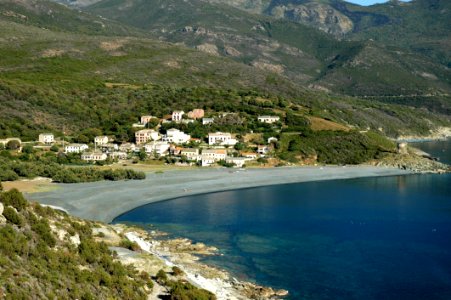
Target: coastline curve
{"points": [[104, 201]]}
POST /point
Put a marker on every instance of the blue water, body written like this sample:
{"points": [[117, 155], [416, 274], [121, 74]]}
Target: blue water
{"points": [[372, 238]]}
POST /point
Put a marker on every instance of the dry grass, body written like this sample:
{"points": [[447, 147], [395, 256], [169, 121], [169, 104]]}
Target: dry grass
{"points": [[319, 124], [30, 186]]}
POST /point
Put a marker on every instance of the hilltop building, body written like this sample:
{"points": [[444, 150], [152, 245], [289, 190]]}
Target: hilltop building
{"points": [[46, 138], [268, 119], [101, 140], [75, 148], [177, 116]]}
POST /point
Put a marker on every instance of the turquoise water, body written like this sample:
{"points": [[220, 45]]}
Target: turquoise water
{"points": [[372, 238]]}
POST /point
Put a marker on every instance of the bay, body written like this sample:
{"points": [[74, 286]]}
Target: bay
{"points": [[369, 238]]}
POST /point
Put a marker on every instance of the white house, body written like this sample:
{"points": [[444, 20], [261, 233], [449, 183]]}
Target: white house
{"points": [[46, 138], [94, 156], [118, 155], [210, 156], [145, 135], [190, 153], [238, 161], [206, 121], [176, 136], [127, 147], [157, 147], [268, 119], [75, 148], [177, 115], [221, 138], [207, 161], [101, 140], [216, 154]]}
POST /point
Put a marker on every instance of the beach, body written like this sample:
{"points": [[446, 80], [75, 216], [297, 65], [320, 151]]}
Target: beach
{"points": [[104, 201]]}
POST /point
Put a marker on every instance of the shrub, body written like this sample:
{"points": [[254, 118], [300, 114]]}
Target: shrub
{"points": [[177, 271], [42, 228], [14, 198], [184, 290], [126, 243], [11, 216], [161, 277], [13, 145]]}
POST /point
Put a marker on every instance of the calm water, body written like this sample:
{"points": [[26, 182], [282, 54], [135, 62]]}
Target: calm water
{"points": [[374, 238]]}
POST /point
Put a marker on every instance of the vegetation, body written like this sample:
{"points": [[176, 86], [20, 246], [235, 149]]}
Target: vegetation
{"points": [[88, 81], [182, 289], [331, 147], [38, 259], [13, 169], [35, 263]]}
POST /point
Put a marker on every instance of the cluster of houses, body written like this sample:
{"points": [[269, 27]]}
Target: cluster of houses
{"points": [[159, 145]]}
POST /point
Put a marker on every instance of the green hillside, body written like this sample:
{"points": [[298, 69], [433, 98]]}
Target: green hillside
{"points": [[55, 79], [306, 56]]}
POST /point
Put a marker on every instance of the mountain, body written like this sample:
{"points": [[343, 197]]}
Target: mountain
{"points": [[85, 78], [420, 25], [306, 56]]}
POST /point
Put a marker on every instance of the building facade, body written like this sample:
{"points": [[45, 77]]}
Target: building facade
{"points": [[46, 138], [221, 138], [75, 148], [145, 135], [268, 119]]}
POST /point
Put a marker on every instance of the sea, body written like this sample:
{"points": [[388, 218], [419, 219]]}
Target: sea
{"points": [[369, 238]]}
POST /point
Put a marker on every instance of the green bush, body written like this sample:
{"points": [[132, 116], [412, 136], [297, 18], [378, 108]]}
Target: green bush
{"points": [[14, 198], [42, 228], [126, 243], [161, 277], [11, 216], [181, 290]]}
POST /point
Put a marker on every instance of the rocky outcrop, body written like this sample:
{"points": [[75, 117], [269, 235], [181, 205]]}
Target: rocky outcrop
{"points": [[208, 48], [317, 15], [413, 162]]}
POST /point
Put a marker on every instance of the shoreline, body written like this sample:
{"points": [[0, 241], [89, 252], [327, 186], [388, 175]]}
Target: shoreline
{"points": [[104, 201]]}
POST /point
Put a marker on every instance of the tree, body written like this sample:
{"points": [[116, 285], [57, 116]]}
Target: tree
{"points": [[54, 148], [239, 146], [13, 145], [27, 149], [142, 154]]}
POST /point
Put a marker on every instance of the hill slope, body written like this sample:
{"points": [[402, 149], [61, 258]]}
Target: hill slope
{"points": [[50, 79], [305, 56]]}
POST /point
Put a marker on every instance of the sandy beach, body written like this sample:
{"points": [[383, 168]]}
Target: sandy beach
{"points": [[104, 201]]}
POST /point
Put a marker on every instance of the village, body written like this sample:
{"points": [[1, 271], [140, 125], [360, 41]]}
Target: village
{"points": [[172, 145]]}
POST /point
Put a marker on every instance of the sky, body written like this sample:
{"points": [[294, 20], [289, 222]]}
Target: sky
{"points": [[367, 2]]}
